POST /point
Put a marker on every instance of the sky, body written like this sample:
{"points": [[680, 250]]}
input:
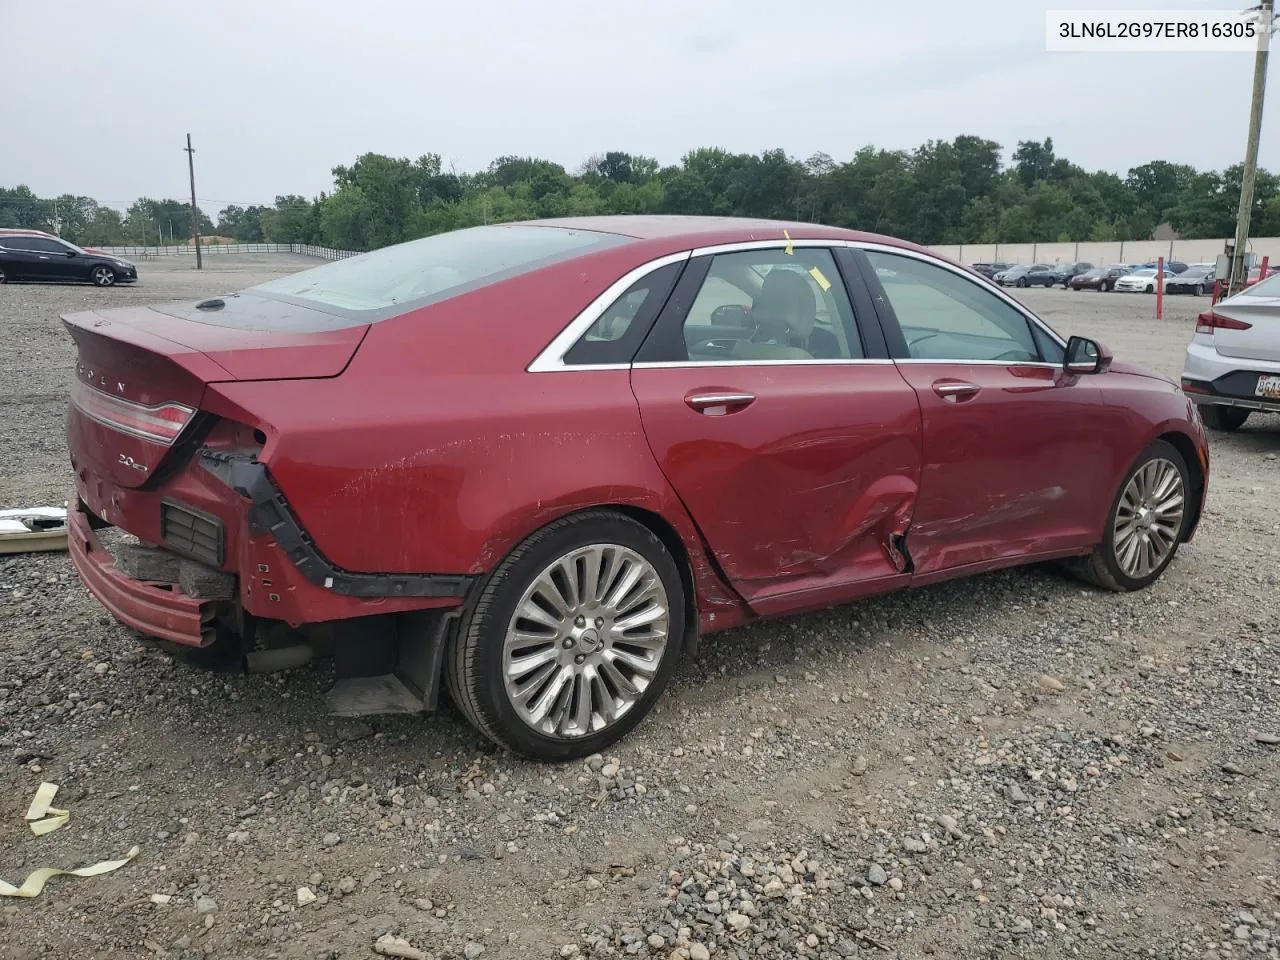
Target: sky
{"points": [[275, 93]]}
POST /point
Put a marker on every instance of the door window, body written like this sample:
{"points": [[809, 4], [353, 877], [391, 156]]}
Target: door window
{"points": [[945, 316], [772, 305]]}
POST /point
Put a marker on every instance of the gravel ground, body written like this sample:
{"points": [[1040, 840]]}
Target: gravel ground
{"points": [[1004, 766]]}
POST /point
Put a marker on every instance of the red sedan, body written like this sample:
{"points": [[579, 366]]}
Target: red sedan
{"points": [[539, 460]]}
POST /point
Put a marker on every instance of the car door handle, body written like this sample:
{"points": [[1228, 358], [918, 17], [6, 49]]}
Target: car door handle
{"points": [[955, 391], [718, 404], [43, 257]]}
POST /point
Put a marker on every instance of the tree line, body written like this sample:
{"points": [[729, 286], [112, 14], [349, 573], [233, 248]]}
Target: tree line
{"points": [[942, 192]]}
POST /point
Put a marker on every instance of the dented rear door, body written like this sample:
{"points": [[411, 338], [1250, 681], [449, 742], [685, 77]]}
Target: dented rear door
{"points": [[800, 471]]}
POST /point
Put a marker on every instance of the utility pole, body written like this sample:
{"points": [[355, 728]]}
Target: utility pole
{"points": [[1239, 274], [195, 211]]}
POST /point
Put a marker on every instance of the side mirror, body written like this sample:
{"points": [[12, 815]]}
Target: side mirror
{"points": [[1086, 356]]}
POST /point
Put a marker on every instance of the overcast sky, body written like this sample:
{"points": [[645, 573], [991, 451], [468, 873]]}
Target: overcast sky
{"points": [[276, 93]]}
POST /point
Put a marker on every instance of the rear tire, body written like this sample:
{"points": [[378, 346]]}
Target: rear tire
{"points": [[1145, 525], [2, 277], [572, 650], [1218, 417]]}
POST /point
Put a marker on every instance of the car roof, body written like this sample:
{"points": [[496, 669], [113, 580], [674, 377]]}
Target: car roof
{"points": [[680, 231]]}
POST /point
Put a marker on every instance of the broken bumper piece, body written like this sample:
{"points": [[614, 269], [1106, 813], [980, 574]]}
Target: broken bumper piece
{"points": [[152, 608]]}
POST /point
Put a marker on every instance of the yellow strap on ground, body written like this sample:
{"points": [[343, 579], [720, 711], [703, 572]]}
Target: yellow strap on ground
{"points": [[36, 880], [46, 818]]}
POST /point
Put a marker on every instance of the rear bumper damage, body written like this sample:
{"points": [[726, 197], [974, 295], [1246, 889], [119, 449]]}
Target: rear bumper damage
{"points": [[153, 609]]}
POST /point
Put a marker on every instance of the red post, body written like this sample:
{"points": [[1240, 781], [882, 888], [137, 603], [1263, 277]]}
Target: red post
{"points": [[1262, 270], [1160, 288]]}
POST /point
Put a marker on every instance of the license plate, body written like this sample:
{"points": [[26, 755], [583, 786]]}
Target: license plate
{"points": [[1268, 387]]}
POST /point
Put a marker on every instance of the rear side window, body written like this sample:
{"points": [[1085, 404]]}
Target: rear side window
{"points": [[411, 275], [617, 335]]}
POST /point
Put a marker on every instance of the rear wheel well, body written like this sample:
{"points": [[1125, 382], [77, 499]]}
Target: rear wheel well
{"points": [[664, 531], [1185, 446]]}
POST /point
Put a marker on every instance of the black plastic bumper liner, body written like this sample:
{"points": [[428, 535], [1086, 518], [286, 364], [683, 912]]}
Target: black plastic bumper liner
{"points": [[270, 514]]}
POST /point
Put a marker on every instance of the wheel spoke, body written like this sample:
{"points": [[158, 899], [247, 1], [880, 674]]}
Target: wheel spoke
{"points": [[591, 564], [644, 666], [623, 687], [649, 613], [546, 700], [518, 667], [533, 611], [568, 569], [632, 572], [582, 716], [524, 692]]}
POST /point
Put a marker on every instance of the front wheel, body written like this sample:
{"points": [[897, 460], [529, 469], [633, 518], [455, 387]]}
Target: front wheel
{"points": [[1150, 288], [1218, 417], [1022, 282], [103, 276], [2, 277], [1145, 525], [572, 638]]}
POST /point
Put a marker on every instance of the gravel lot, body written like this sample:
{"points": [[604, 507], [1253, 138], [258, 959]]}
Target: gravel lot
{"points": [[1008, 765]]}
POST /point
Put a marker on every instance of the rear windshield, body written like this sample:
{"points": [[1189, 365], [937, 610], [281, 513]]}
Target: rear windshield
{"points": [[410, 275]]}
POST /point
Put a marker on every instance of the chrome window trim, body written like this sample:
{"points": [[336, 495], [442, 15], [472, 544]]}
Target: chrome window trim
{"points": [[743, 246], [551, 358], [988, 363], [713, 364], [961, 272]]}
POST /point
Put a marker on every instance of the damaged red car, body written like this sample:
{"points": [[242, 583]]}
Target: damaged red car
{"points": [[534, 462]]}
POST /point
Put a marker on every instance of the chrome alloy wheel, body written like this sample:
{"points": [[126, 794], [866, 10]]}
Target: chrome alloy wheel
{"points": [[104, 276], [586, 640], [1149, 518]]}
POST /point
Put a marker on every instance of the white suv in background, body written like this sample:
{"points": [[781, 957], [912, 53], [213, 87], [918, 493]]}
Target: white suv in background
{"points": [[1233, 360]]}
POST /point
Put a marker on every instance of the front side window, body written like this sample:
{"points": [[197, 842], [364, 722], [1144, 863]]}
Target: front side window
{"points": [[945, 316], [772, 305]]}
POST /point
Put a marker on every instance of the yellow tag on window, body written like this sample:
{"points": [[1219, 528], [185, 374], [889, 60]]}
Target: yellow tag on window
{"points": [[821, 279], [790, 251]]}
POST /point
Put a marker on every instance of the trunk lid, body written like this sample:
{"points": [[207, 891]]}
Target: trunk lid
{"points": [[141, 372], [1261, 341]]}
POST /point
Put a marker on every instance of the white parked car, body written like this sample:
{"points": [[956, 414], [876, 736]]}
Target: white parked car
{"points": [[1141, 281], [1233, 360]]}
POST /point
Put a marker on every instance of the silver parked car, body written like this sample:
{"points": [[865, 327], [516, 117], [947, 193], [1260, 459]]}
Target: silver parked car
{"points": [[1233, 360]]}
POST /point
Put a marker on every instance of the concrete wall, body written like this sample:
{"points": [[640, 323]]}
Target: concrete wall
{"points": [[1101, 254]]}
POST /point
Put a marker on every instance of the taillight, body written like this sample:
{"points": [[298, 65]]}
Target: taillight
{"points": [[1209, 321], [158, 424]]}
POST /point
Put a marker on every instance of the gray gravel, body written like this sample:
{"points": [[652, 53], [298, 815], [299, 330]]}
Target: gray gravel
{"points": [[1007, 766]]}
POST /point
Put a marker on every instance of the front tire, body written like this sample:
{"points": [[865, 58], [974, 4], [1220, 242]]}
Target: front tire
{"points": [[2, 276], [571, 639], [1022, 282], [1145, 525], [103, 276], [1218, 417]]}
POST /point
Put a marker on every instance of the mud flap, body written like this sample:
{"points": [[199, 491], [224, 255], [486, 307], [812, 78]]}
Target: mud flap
{"points": [[388, 663]]}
